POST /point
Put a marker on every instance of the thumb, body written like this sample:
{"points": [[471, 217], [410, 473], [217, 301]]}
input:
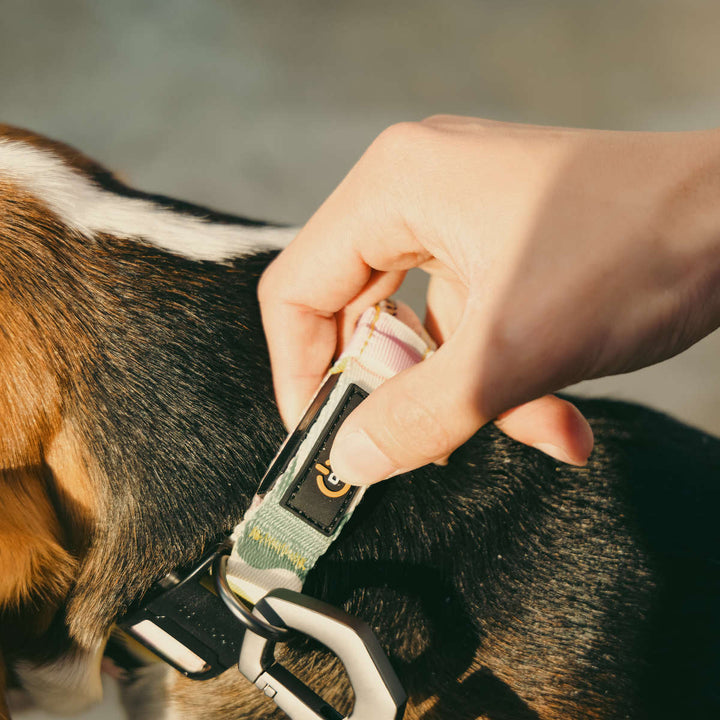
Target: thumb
{"points": [[414, 418]]}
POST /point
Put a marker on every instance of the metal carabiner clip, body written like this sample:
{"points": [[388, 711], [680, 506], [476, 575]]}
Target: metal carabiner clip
{"points": [[378, 692]]}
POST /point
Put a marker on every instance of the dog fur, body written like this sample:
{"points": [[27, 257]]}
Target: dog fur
{"points": [[136, 417]]}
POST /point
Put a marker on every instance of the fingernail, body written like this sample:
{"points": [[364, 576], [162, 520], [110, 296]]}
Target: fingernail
{"points": [[357, 460], [558, 453]]}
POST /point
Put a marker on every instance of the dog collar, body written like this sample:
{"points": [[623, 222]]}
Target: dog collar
{"points": [[298, 511], [301, 506]]}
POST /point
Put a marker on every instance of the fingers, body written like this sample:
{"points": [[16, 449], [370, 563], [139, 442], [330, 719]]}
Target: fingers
{"points": [[303, 337], [552, 425]]}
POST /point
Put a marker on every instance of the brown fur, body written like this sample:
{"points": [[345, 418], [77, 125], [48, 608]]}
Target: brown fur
{"points": [[76, 490], [235, 696], [32, 556]]}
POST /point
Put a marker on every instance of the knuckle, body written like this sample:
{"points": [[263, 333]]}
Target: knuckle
{"points": [[267, 285], [457, 125], [397, 139], [439, 120]]}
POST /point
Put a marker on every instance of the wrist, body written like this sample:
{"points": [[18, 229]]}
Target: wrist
{"points": [[688, 226]]}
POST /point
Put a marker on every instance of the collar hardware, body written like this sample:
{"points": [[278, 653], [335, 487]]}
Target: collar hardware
{"points": [[378, 692], [183, 621], [276, 633]]}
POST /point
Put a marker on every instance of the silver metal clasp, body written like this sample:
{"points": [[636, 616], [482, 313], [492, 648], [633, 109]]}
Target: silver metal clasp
{"points": [[378, 692]]}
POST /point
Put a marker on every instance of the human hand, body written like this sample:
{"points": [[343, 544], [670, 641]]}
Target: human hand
{"points": [[555, 255]]}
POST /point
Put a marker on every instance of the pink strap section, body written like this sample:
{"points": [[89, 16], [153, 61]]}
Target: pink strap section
{"points": [[388, 339]]}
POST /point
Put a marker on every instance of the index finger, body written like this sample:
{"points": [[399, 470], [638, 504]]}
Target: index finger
{"points": [[299, 295]]}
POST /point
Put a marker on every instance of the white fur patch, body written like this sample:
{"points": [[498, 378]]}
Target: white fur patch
{"points": [[89, 209], [66, 686]]}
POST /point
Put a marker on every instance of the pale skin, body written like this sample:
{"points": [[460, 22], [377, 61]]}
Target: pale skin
{"points": [[555, 255]]}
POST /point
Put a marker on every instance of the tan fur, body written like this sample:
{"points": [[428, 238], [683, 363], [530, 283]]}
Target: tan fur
{"points": [[34, 563], [48, 501], [32, 556], [225, 696], [77, 491], [29, 403], [422, 710]]}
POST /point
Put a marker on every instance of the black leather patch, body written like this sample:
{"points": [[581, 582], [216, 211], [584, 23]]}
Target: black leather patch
{"points": [[317, 495]]}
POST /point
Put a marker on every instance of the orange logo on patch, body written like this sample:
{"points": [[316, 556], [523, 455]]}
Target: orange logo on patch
{"points": [[328, 482]]}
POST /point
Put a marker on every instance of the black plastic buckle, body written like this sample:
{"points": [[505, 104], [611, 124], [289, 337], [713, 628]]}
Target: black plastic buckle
{"points": [[183, 621]]}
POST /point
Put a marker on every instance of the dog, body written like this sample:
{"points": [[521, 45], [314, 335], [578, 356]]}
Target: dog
{"points": [[136, 419]]}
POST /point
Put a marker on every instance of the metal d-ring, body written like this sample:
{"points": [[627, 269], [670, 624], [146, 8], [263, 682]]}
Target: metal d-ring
{"points": [[236, 607]]}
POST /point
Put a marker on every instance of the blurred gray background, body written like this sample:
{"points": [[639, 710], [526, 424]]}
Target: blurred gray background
{"points": [[262, 107]]}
